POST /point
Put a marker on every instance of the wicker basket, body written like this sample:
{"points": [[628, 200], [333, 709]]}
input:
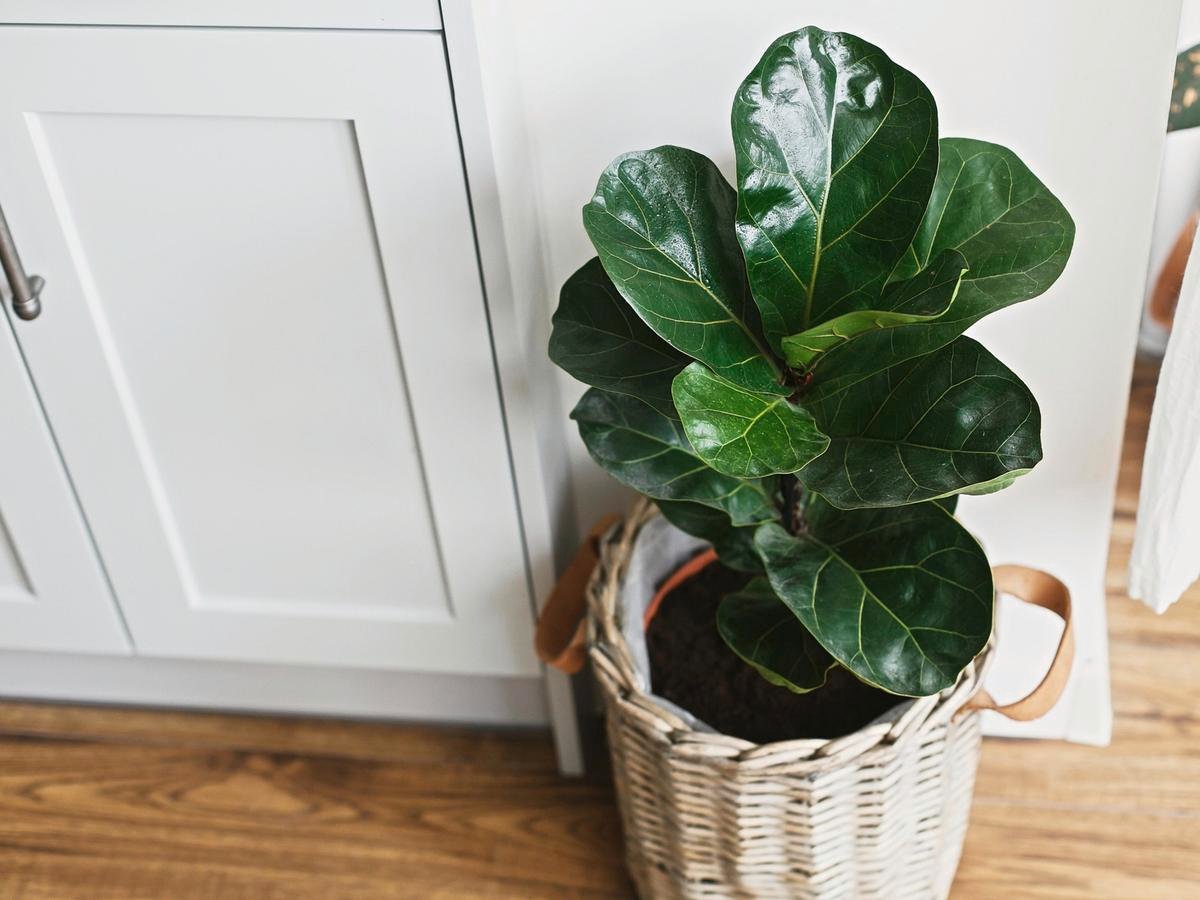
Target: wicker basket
{"points": [[880, 813]]}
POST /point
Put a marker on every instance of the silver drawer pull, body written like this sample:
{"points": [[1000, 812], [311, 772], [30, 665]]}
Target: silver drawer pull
{"points": [[26, 290]]}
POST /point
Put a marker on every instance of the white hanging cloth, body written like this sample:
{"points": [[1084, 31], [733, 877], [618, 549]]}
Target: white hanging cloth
{"points": [[1166, 544]]}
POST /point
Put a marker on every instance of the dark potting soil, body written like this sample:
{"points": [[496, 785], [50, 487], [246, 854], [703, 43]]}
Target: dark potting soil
{"points": [[691, 666]]}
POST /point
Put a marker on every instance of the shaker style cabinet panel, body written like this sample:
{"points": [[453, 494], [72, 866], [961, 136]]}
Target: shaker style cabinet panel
{"points": [[264, 348], [52, 590]]}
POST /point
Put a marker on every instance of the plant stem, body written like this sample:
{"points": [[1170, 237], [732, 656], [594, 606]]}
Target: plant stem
{"points": [[793, 505]]}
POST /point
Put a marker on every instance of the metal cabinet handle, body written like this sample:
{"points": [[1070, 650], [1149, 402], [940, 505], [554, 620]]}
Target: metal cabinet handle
{"points": [[26, 289]]}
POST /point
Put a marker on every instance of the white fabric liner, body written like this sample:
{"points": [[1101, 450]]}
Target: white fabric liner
{"points": [[659, 550], [1166, 546]]}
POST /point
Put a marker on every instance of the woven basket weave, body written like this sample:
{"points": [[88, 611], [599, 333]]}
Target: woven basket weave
{"points": [[880, 813]]}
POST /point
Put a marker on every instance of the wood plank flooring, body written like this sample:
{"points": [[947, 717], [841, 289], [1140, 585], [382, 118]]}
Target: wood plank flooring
{"points": [[1059, 820], [102, 803]]}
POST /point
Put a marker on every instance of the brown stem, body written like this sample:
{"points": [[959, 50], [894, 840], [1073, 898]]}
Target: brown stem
{"points": [[793, 505]]}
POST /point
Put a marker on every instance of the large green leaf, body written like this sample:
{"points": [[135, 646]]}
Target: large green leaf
{"points": [[662, 222], [949, 504], [922, 298], [764, 632], [740, 432], [599, 340], [901, 597], [1014, 234], [735, 546], [647, 450], [956, 420], [836, 151]]}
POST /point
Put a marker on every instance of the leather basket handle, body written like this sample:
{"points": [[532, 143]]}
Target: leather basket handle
{"points": [[561, 636], [1044, 590]]}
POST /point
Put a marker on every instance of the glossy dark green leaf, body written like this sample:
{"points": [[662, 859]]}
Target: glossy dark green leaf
{"points": [[923, 298], [836, 151], [741, 433], [1014, 234], [646, 450], [901, 597], [735, 546], [953, 421], [763, 631], [949, 504], [599, 340], [662, 222], [1015, 237]]}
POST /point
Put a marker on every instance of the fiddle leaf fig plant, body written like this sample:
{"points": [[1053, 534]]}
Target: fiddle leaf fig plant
{"points": [[782, 365]]}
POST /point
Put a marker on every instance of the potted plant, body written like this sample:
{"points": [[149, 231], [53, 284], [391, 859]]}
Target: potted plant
{"points": [[782, 369]]}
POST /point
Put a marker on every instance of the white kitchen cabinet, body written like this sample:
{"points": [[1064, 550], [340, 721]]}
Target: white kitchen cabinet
{"points": [[53, 595], [264, 352]]}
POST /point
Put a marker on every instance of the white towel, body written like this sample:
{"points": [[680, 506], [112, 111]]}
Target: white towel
{"points": [[1166, 545]]}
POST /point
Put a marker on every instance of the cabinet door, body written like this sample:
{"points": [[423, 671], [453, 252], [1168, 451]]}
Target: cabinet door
{"points": [[53, 595], [265, 347]]}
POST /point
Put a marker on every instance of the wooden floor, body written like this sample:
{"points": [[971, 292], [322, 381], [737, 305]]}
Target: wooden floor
{"points": [[101, 803]]}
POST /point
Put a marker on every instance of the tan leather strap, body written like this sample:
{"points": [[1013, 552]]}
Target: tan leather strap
{"points": [[561, 638], [1165, 296], [696, 564], [1044, 590]]}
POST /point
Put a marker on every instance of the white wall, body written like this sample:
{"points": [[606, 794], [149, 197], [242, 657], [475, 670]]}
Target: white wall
{"points": [[1080, 94]]}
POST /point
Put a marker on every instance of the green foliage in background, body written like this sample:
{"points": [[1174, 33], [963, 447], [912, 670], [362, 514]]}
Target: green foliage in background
{"points": [[782, 366], [1185, 92]]}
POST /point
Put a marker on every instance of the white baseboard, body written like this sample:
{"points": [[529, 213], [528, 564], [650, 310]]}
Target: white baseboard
{"points": [[253, 687]]}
